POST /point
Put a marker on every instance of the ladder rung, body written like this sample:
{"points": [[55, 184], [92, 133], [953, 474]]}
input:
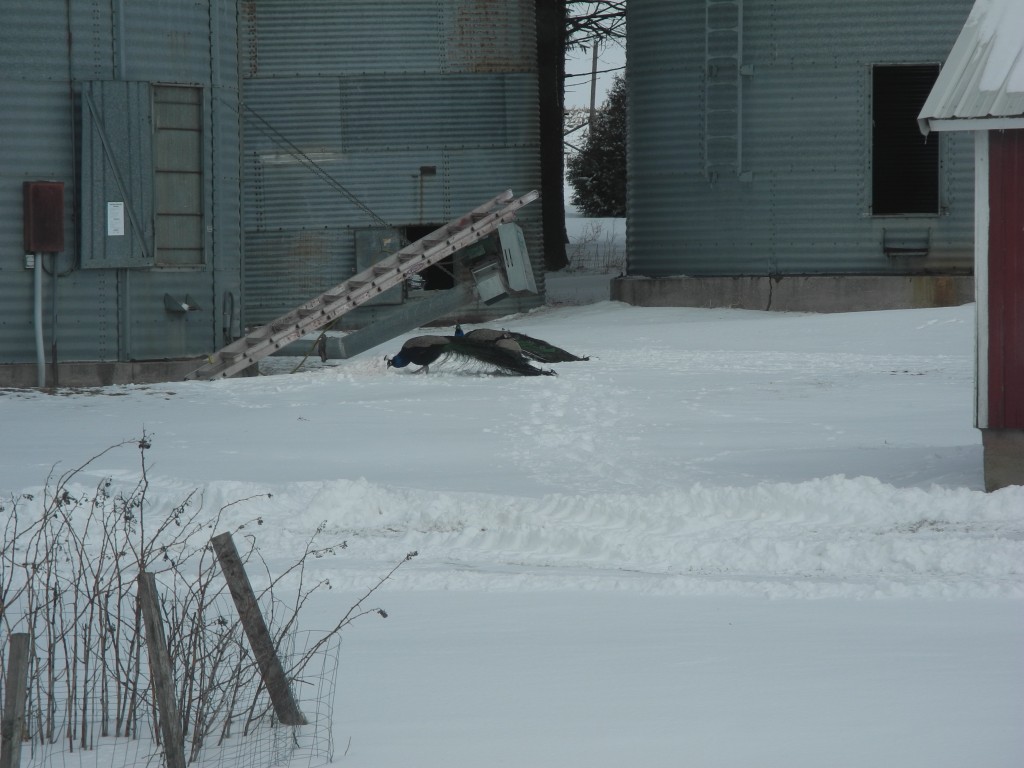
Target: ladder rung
{"points": [[381, 269]]}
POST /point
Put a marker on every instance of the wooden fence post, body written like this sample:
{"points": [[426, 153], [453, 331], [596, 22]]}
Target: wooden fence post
{"points": [[255, 627], [12, 726], [160, 672]]}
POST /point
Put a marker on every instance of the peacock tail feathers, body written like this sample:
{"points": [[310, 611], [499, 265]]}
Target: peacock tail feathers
{"points": [[543, 351], [499, 353], [536, 349], [502, 353]]}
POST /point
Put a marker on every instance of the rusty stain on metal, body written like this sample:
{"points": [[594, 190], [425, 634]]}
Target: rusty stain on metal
{"points": [[488, 37]]}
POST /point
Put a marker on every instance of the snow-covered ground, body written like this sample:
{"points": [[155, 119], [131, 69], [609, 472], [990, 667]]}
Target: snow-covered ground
{"points": [[730, 538]]}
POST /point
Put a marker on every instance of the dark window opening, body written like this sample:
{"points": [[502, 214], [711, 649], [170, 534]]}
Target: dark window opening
{"points": [[905, 164], [437, 277]]}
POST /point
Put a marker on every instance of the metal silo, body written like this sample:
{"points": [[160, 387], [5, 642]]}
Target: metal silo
{"points": [[129, 111], [755, 147], [367, 123]]}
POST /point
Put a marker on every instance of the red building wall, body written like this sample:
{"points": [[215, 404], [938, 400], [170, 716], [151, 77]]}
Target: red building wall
{"points": [[1006, 280]]}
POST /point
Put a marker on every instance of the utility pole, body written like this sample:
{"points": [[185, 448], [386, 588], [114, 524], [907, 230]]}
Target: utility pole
{"points": [[593, 84]]}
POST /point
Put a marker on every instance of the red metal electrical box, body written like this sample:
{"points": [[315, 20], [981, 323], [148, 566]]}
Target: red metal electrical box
{"points": [[44, 216]]}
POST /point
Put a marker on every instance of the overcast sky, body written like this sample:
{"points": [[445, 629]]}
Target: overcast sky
{"points": [[577, 89]]}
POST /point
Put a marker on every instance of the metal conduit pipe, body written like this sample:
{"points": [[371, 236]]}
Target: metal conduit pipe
{"points": [[54, 373], [37, 265]]}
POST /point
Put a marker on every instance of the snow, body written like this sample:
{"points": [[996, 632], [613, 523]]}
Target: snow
{"points": [[999, 23], [730, 538]]}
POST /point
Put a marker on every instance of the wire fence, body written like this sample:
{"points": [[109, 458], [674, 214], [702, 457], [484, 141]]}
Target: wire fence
{"points": [[70, 564], [245, 735], [596, 247]]}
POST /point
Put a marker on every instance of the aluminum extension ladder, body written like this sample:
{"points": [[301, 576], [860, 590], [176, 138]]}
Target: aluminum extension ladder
{"points": [[358, 289]]}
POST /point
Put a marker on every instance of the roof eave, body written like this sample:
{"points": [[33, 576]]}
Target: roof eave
{"points": [[970, 123]]}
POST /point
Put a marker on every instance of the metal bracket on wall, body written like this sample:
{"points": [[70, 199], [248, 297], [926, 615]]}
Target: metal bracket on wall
{"points": [[903, 243], [179, 307]]}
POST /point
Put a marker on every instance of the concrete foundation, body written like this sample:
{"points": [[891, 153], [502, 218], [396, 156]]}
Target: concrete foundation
{"points": [[99, 374], [1004, 457], [807, 293]]}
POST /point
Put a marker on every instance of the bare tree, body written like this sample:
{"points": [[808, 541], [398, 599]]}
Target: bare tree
{"points": [[590, 22]]}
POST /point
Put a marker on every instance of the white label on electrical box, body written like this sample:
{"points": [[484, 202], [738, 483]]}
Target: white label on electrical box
{"points": [[115, 219]]}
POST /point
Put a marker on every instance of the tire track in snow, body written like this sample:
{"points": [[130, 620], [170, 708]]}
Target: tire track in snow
{"points": [[569, 437], [834, 537]]}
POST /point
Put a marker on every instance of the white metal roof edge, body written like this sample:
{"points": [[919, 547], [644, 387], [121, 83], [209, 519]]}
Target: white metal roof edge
{"points": [[958, 93], [973, 123]]}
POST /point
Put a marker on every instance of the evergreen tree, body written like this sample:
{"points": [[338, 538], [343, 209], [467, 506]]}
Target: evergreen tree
{"points": [[597, 172]]}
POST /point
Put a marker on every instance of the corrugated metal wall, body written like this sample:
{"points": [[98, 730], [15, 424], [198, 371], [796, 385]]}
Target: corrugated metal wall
{"points": [[50, 51], [346, 100], [803, 203]]}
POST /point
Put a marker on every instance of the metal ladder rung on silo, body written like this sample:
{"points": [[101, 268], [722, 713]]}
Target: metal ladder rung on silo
{"points": [[371, 282], [723, 86]]}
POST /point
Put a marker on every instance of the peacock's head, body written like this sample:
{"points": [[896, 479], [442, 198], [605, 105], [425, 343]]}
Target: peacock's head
{"points": [[398, 361]]}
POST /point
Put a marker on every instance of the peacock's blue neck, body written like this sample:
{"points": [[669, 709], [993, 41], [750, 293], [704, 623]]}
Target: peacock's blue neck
{"points": [[399, 361]]}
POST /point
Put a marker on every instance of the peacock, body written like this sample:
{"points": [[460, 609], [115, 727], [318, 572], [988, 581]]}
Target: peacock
{"points": [[535, 349], [503, 354]]}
